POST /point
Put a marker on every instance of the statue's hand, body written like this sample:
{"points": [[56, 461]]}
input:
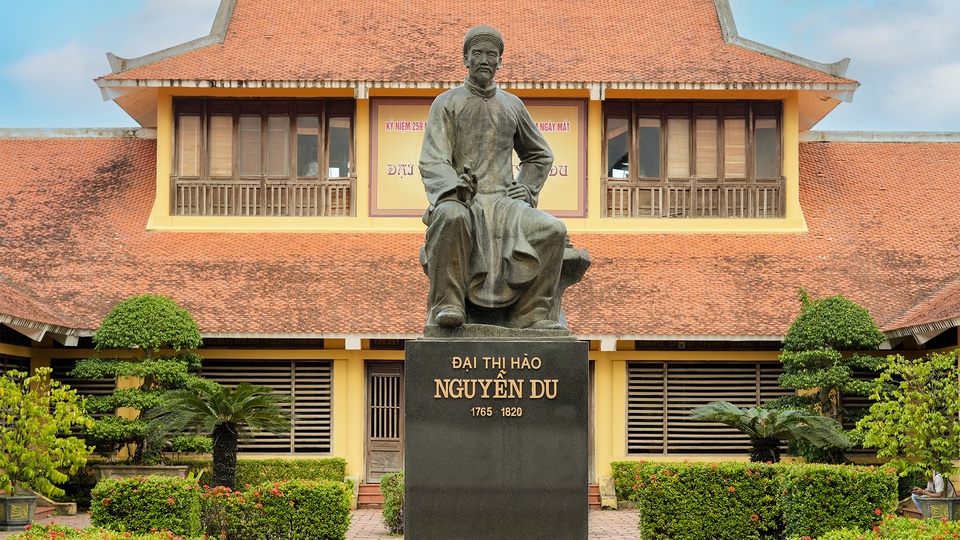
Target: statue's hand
{"points": [[520, 192], [465, 188]]}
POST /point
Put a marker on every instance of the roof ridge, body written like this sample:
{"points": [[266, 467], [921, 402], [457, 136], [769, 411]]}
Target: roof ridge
{"points": [[218, 32], [729, 28], [78, 133], [880, 136]]}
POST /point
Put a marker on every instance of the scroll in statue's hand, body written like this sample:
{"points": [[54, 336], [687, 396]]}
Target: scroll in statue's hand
{"points": [[466, 186]]}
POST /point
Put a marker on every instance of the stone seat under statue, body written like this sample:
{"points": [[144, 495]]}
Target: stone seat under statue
{"points": [[481, 321]]}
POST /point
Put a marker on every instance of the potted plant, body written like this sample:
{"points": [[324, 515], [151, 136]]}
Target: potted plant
{"points": [[154, 336], [36, 453]]}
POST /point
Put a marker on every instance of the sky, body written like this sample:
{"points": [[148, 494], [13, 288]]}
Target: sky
{"points": [[904, 53]]}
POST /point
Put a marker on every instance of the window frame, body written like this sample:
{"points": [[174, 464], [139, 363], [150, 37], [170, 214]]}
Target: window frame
{"points": [[262, 193], [692, 194]]}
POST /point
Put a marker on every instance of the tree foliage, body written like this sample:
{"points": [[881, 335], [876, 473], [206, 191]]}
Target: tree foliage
{"points": [[36, 416], [144, 326], [767, 428], [821, 352], [226, 414], [914, 421], [148, 322]]}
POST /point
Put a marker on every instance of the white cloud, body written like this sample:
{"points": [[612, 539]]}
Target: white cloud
{"points": [[52, 72], [160, 24], [927, 97], [896, 32]]}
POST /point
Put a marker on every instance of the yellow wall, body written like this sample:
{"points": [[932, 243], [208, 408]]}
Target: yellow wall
{"points": [[610, 399], [349, 392], [160, 218]]}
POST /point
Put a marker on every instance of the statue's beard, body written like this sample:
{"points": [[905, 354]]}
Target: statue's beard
{"points": [[483, 78]]}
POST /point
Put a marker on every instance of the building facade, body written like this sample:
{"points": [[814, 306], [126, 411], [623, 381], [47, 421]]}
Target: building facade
{"points": [[272, 190]]}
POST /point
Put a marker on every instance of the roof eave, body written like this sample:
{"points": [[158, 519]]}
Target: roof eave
{"points": [[112, 88]]}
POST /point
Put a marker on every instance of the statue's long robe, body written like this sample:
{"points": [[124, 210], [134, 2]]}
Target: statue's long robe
{"points": [[480, 128]]}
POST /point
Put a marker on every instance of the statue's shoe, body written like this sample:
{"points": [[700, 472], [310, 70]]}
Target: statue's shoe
{"points": [[450, 318], [546, 324]]}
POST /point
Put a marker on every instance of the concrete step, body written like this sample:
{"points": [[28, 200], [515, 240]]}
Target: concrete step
{"points": [[44, 512], [593, 496], [369, 496]]}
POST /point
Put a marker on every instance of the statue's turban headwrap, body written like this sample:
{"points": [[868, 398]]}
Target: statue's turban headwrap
{"points": [[482, 33]]}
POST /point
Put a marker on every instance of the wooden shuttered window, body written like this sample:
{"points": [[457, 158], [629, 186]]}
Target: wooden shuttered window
{"points": [[11, 363], [311, 385], [660, 396], [676, 159], [86, 387], [267, 157]]}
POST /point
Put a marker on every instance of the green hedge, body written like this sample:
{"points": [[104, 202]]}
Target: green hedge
{"points": [[54, 531], [148, 504], [255, 471], [740, 500], [295, 509], [391, 486], [819, 498], [897, 528]]}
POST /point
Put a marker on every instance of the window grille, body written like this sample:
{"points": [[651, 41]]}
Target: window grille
{"points": [[311, 385], [9, 363], [660, 396]]}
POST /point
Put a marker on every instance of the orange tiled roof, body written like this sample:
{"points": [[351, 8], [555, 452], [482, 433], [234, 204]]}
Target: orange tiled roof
{"points": [[549, 41], [882, 220], [23, 308]]}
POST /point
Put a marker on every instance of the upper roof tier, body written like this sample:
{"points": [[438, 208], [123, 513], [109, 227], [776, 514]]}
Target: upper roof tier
{"points": [[591, 44]]}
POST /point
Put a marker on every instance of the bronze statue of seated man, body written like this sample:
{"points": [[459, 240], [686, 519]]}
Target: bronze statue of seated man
{"points": [[492, 257]]}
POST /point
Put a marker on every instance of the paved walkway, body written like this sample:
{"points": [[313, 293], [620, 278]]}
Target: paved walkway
{"points": [[368, 524]]}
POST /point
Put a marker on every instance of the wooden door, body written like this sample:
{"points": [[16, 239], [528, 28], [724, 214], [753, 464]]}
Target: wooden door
{"points": [[384, 430]]}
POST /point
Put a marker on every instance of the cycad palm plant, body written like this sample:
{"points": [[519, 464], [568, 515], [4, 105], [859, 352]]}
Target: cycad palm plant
{"points": [[226, 414], [768, 427]]}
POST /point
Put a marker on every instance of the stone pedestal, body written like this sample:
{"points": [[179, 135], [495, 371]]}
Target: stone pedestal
{"points": [[496, 439]]}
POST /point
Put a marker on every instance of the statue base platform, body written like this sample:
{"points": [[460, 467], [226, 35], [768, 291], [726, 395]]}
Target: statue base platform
{"points": [[496, 438]]}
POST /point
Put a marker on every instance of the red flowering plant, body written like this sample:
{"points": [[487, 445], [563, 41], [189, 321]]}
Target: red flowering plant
{"points": [[895, 528], [55, 531], [733, 500], [278, 509], [821, 498], [147, 503]]}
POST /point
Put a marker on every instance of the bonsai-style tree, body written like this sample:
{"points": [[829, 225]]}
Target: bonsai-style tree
{"points": [[914, 421], [36, 415], [821, 352], [226, 414], [144, 326], [769, 428]]}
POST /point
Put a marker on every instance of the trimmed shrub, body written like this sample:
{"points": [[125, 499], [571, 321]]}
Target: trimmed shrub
{"points": [[626, 479], [739, 500], [256, 471], [820, 498], [147, 504], [391, 486], [54, 531], [295, 509], [896, 528], [736, 501]]}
